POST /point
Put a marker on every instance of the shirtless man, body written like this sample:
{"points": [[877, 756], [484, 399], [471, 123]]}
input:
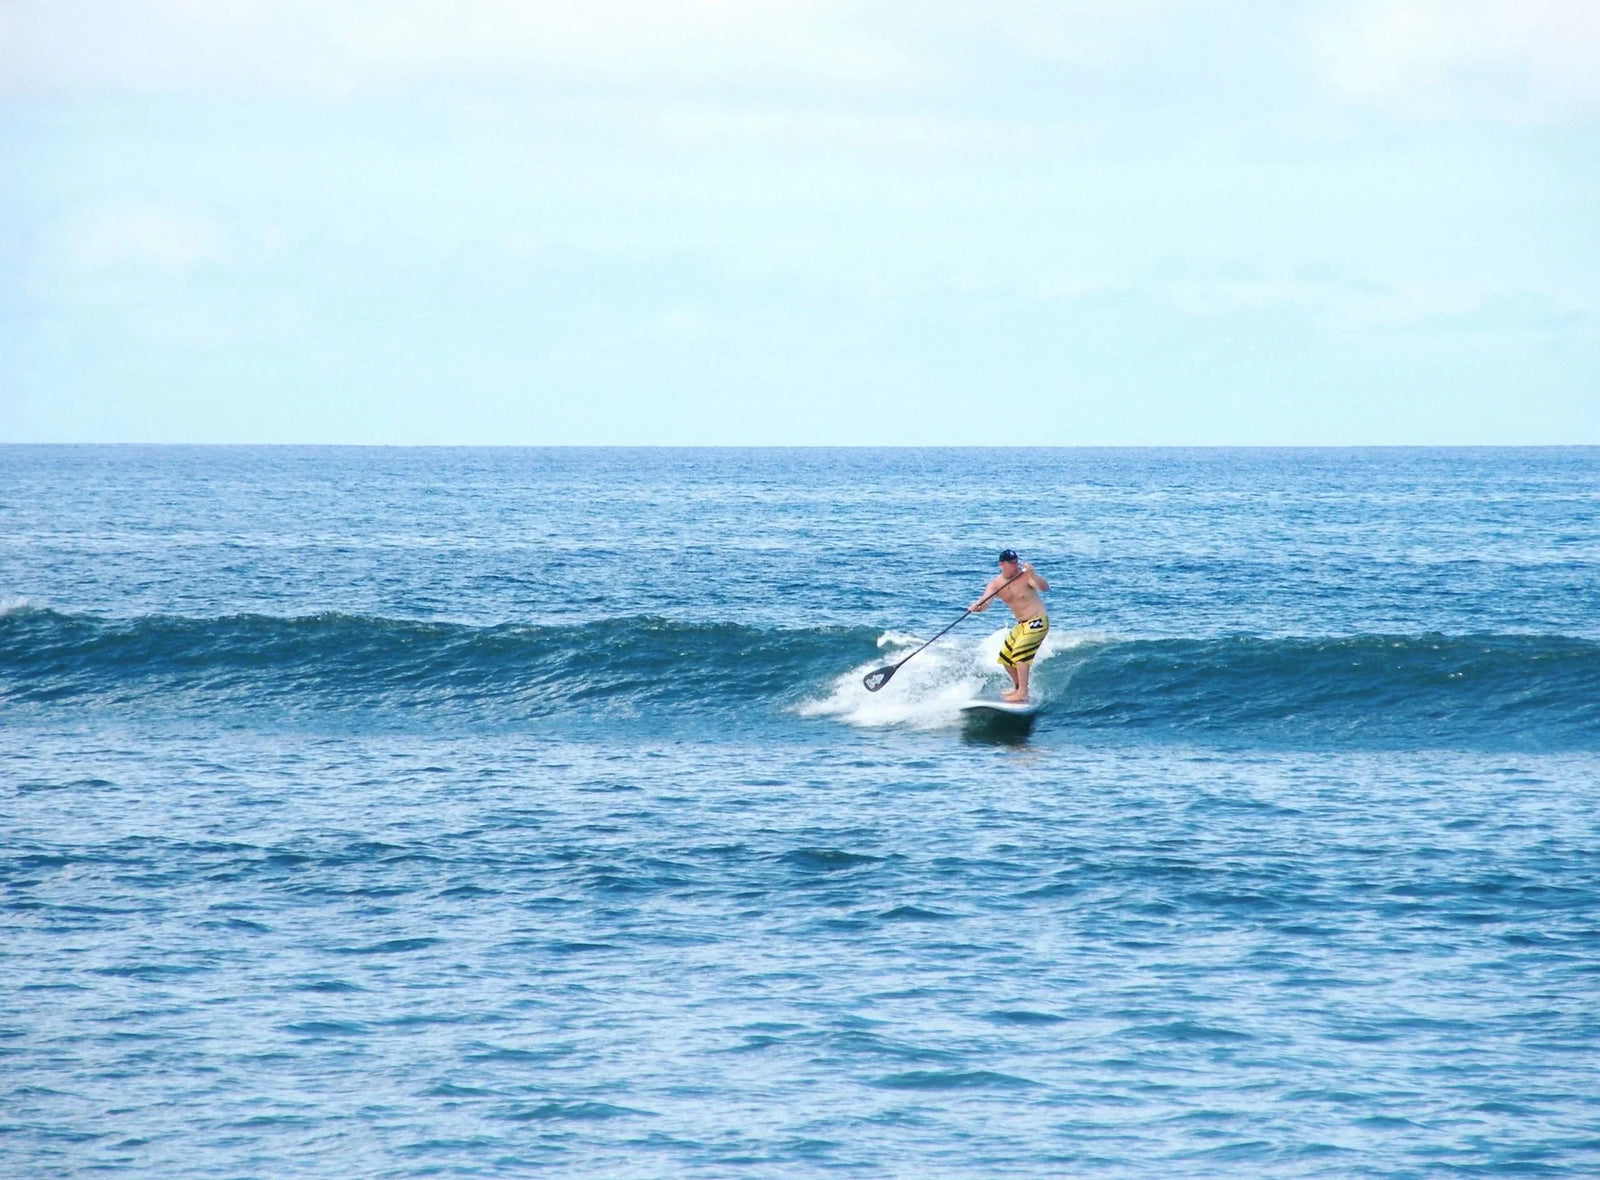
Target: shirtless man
{"points": [[1018, 586]]}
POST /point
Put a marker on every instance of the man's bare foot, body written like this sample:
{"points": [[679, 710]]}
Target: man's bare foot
{"points": [[1015, 696]]}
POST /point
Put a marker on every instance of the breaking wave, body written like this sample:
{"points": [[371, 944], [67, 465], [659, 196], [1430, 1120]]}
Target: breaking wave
{"points": [[1480, 691]]}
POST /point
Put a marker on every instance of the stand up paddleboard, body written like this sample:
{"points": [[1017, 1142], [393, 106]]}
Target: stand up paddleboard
{"points": [[995, 707]]}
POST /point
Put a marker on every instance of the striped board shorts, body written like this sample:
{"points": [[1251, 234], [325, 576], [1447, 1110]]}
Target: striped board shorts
{"points": [[1023, 642]]}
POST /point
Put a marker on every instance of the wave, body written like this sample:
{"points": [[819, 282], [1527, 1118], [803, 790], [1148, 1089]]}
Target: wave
{"points": [[1516, 690], [1536, 692], [363, 663], [1496, 691]]}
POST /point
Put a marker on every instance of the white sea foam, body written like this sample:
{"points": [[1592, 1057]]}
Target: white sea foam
{"points": [[929, 691], [10, 606], [898, 639]]}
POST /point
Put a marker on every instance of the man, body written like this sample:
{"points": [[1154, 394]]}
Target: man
{"points": [[1018, 586]]}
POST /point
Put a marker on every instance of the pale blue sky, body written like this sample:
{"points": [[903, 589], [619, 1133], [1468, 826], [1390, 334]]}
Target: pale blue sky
{"points": [[793, 223]]}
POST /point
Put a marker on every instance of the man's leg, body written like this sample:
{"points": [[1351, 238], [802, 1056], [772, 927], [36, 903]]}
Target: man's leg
{"points": [[1011, 671], [1023, 670], [1019, 683], [1009, 664]]}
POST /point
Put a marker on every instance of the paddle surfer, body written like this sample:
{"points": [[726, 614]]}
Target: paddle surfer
{"points": [[1018, 587]]}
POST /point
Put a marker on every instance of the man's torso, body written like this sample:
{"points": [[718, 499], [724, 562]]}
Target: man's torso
{"points": [[1023, 600]]}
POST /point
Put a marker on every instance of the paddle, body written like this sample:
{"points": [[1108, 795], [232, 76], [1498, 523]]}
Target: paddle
{"points": [[877, 679]]}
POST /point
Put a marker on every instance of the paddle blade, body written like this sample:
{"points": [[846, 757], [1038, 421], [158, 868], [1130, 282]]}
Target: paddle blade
{"points": [[876, 680]]}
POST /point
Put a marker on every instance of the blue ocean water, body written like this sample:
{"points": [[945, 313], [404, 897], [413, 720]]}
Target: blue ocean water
{"points": [[482, 812]]}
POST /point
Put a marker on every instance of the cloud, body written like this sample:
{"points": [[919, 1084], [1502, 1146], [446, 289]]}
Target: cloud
{"points": [[1520, 60], [135, 237], [321, 46], [337, 46], [1508, 60]]}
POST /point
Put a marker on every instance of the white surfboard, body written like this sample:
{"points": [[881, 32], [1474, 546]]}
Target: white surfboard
{"points": [[994, 706]]}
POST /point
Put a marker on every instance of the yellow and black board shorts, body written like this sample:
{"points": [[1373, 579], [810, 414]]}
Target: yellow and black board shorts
{"points": [[1023, 643]]}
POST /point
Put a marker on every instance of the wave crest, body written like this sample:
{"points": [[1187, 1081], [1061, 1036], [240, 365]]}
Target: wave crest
{"points": [[362, 663]]}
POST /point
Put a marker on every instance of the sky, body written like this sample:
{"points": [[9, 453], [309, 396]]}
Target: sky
{"points": [[1139, 222]]}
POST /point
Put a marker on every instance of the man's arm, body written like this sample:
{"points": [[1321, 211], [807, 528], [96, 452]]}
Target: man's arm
{"points": [[1037, 581]]}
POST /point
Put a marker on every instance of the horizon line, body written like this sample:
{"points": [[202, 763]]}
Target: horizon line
{"points": [[456, 446]]}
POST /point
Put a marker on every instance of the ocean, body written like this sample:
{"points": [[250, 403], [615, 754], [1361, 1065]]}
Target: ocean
{"points": [[491, 812]]}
